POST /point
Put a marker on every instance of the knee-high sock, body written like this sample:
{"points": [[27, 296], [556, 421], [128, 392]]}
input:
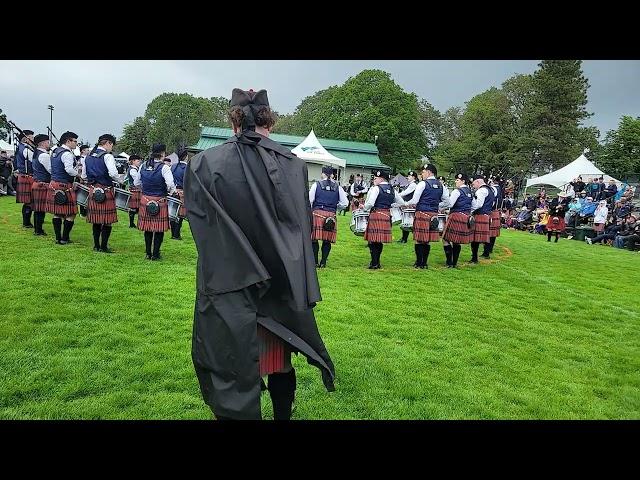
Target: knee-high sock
{"points": [[456, 253], [549, 236], [36, 222], [42, 217], [26, 215], [157, 241], [474, 251], [492, 242], [172, 224], [179, 226], [326, 248], [557, 236], [132, 216], [282, 390], [448, 252], [419, 254], [379, 252], [405, 235], [67, 226], [106, 232], [316, 247], [426, 248], [57, 227], [97, 228], [372, 252], [486, 249], [148, 238]]}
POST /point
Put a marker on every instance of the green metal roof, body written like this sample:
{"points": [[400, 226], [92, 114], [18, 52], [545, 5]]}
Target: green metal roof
{"points": [[356, 154]]}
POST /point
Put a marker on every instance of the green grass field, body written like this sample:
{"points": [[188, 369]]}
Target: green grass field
{"points": [[543, 331]]}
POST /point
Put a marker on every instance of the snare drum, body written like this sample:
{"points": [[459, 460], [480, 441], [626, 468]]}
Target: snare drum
{"points": [[82, 193], [174, 205], [359, 222], [122, 198], [408, 214], [396, 215], [442, 221]]}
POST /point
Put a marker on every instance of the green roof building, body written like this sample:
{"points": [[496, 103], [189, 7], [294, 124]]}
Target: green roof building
{"points": [[360, 157]]}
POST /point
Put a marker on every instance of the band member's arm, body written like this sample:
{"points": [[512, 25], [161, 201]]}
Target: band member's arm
{"points": [[444, 199], [137, 179], [371, 198], [343, 202], [312, 193], [408, 193], [352, 191], [45, 161], [478, 201], [398, 200], [453, 198], [28, 153], [168, 179], [110, 162], [417, 194], [68, 159]]}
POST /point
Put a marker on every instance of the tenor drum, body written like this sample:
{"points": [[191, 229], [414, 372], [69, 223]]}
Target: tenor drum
{"points": [[174, 205], [408, 214], [442, 221], [396, 215], [122, 198], [82, 193], [359, 222]]}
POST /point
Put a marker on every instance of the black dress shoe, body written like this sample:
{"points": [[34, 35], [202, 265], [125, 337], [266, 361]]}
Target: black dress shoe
{"points": [[473, 261], [106, 250], [176, 238], [28, 226], [148, 257], [322, 265], [158, 257], [96, 249], [62, 242], [42, 234], [377, 267], [132, 226]]}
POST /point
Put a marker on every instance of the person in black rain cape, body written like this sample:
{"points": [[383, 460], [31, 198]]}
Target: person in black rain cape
{"points": [[256, 282]]}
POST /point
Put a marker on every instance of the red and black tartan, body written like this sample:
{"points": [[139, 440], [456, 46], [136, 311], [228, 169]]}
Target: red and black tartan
{"points": [[481, 229], [39, 196], [104, 212], [317, 233], [159, 223], [134, 200], [422, 232], [379, 226], [494, 223], [23, 189], [456, 230], [274, 356], [557, 226], [68, 209], [182, 212]]}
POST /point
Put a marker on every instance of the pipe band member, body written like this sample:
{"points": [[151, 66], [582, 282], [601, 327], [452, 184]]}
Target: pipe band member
{"points": [[24, 167], [406, 195], [62, 197], [481, 206], [178, 177], [133, 176], [456, 231]]}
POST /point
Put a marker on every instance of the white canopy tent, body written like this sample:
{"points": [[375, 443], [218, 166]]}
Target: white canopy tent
{"points": [[7, 147], [310, 150], [563, 176]]}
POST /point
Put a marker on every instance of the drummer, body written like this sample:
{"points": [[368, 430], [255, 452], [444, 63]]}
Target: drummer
{"points": [[427, 197], [379, 201], [325, 197], [84, 151], [178, 176], [101, 172], [358, 190], [155, 181], [133, 172], [456, 231], [406, 195]]}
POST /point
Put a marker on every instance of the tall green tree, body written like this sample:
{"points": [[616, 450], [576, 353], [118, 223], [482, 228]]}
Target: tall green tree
{"points": [[554, 113], [620, 153], [135, 138], [4, 126]]}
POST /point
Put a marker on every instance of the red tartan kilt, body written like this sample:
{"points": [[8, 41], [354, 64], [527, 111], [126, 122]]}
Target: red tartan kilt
{"points": [[422, 228], [182, 212], [273, 351], [558, 226], [159, 223], [379, 227], [456, 230], [317, 233], [23, 189], [134, 201], [104, 212], [39, 196], [494, 225], [481, 232], [69, 208]]}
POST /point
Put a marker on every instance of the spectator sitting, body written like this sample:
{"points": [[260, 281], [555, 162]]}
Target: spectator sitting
{"points": [[629, 236], [541, 226], [574, 208], [530, 203], [600, 216], [601, 189], [593, 188], [609, 233], [578, 185], [612, 189]]}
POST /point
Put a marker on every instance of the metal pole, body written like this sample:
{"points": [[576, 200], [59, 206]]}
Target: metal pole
{"points": [[50, 107]]}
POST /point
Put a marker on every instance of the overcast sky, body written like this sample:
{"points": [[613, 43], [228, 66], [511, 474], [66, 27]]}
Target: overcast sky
{"points": [[96, 97]]}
